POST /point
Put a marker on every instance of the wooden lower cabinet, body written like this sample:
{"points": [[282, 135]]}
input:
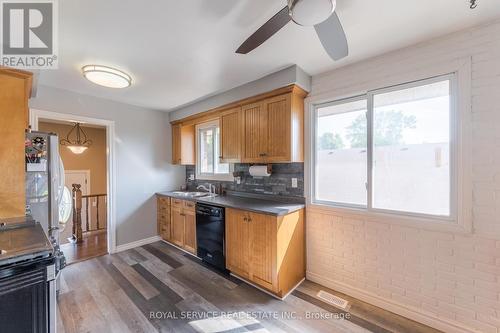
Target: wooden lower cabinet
{"points": [[266, 250], [177, 222], [163, 215], [177, 226], [237, 245], [190, 231]]}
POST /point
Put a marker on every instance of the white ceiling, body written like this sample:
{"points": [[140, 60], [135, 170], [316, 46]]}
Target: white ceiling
{"points": [[179, 51]]}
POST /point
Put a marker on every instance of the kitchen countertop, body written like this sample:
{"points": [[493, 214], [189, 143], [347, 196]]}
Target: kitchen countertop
{"points": [[257, 205]]}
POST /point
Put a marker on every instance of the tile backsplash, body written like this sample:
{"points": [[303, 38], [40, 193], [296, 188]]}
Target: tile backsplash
{"points": [[279, 183]]}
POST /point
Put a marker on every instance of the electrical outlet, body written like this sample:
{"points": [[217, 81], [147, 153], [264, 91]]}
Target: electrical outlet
{"points": [[191, 176], [238, 180], [294, 183], [94, 203]]}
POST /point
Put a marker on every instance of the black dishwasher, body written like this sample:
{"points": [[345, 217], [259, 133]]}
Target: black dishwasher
{"points": [[210, 234]]}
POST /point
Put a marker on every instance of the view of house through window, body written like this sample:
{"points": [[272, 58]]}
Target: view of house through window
{"points": [[208, 151], [410, 154]]}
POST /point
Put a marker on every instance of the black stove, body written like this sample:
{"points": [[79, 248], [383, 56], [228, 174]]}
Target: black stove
{"points": [[28, 271], [23, 241]]}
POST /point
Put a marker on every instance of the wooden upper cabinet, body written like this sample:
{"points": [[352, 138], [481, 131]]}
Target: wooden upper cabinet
{"points": [[279, 137], [230, 126], [273, 130], [183, 144], [15, 90], [268, 128], [255, 132]]}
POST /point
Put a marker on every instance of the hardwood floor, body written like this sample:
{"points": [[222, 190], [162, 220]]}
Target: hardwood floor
{"points": [[94, 244], [158, 288]]}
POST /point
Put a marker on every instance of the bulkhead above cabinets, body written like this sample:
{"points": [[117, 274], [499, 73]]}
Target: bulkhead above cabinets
{"points": [[268, 128]]}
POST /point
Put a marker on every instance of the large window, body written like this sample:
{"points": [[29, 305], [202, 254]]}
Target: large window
{"points": [[207, 153], [388, 150]]}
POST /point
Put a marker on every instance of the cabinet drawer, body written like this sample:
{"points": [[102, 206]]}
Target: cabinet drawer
{"points": [[163, 217], [177, 202], [163, 201], [163, 211]]}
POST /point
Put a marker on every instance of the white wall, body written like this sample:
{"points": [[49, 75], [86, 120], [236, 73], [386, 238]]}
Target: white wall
{"points": [[143, 155], [450, 280]]}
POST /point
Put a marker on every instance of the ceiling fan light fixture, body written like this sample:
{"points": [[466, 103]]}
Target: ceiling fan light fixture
{"points": [[311, 12], [106, 76]]}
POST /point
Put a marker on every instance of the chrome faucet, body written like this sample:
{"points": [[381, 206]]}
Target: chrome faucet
{"points": [[210, 189]]}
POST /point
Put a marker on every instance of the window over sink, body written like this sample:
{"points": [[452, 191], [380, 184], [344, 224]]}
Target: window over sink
{"points": [[208, 164]]}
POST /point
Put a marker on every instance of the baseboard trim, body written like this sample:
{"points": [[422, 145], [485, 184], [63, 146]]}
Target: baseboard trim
{"points": [[400, 309], [137, 243], [265, 290]]}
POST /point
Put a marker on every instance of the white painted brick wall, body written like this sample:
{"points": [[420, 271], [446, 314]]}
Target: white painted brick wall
{"points": [[454, 277]]}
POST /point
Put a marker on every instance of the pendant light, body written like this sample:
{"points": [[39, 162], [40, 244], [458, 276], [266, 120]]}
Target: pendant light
{"points": [[80, 142]]}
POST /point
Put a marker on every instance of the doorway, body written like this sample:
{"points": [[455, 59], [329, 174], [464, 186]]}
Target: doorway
{"points": [[94, 177]]}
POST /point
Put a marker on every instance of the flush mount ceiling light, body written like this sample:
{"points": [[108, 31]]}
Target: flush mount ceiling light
{"points": [[80, 143], [106, 76]]}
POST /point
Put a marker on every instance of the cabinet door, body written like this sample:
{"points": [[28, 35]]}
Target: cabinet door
{"points": [[177, 220], [230, 124], [13, 116], [188, 145], [262, 248], [255, 133], [190, 231], [183, 144], [279, 137], [176, 144], [237, 242]]}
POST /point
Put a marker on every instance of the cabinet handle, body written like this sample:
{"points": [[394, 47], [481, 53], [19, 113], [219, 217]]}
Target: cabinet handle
{"points": [[262, 154]]}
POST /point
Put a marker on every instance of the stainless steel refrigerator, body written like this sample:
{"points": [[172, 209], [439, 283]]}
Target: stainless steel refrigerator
{"points": [[44, 183]]}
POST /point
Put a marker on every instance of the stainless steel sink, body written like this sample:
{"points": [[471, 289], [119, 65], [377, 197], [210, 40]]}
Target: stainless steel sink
{"points": [[191, 194]]}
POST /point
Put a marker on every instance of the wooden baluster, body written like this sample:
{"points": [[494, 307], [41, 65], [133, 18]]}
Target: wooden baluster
{"points": [[87, 227], [77, 213], [73, 226], [97, 211]]}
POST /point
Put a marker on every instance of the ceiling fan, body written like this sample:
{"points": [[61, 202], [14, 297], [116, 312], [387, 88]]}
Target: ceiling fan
{"points": [[318, 13]]}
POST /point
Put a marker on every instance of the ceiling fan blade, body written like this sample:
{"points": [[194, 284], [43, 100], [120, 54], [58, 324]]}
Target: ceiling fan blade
{"points": [[332, 36], [269, 28]]}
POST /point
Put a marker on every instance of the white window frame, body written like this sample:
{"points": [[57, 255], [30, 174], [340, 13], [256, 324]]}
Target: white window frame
{"points": [[210, 176], [315, 150], [460, 219]]}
